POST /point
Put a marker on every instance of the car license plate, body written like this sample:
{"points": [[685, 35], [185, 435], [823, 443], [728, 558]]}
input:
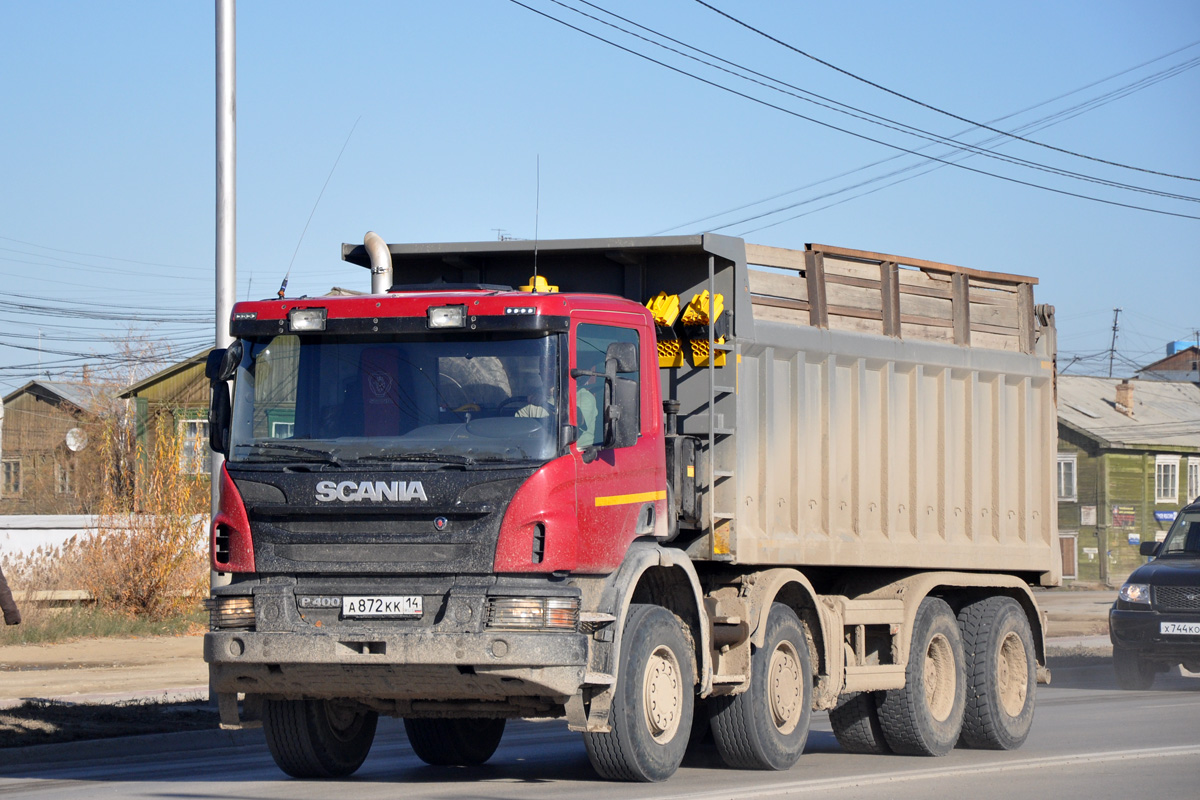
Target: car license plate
{"points": [[354, 605], [1179, 628]]}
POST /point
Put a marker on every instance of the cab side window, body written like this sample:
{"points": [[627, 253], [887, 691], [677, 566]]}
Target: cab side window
{"points": [[592, 343]]}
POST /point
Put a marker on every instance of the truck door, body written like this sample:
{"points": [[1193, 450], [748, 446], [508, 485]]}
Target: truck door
{"points": [[618, 492]]}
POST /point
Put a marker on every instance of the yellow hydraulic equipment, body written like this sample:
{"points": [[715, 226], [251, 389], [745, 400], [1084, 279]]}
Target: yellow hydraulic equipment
{"points": [[695, 326], [665, 309]]}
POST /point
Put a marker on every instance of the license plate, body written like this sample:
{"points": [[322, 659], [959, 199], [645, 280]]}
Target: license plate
{"points": [[1179, 628], [354, 605]]}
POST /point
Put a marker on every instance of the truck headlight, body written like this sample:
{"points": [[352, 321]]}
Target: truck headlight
{"points": [[306, 319], [1135, 593], [230, 612], [446, 316], [533, 613]]}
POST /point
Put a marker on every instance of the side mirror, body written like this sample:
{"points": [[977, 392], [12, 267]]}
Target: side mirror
{"points": [[621, 412], [621, 357], [223, 364], [219, 418], [1149, 548]]}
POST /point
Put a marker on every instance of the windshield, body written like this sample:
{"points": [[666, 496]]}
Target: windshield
{"points": [[438, 399], [1184, 537]]}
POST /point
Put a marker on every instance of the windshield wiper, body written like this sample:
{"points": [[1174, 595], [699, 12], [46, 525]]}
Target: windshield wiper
{"points": [[324, 455], [430, 458]]}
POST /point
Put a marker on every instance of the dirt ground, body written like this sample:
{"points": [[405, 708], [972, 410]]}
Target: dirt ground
{"points": [[94, 688]]}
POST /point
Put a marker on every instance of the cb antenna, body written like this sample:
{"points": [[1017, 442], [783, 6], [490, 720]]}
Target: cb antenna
{"points": [[283, 286], [537, 208]]}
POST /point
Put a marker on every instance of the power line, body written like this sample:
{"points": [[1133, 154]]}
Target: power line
{"points": [[950, 114], [1043, 122], [853, 111], [864, 137]]}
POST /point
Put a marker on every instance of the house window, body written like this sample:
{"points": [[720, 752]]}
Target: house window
{"points": [[1067, 490], [64, 478], [12, 477], [193, 451], [1193, 494], [282, 430], [1166, 479]]}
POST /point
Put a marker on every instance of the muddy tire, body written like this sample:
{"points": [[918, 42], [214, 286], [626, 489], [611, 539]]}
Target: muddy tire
{"points": [[855, 723], [1133, 671], [318, 738], [454, 742], [766, 726], [1001, 673], [925, 717], [653, 705]]}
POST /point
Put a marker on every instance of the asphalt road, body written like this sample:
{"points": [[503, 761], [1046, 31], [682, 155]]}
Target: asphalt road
{"points": [[1090, 740]]}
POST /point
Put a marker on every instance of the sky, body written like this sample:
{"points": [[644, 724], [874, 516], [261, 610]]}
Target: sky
{"points": [[467, 120]]}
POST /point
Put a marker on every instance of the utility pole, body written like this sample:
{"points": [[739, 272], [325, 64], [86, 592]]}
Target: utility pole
{"points": [[226, 266], [1112, 350]]}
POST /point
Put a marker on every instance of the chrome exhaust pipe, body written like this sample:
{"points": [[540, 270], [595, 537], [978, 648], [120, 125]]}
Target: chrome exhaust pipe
{"points": [[381, 262]]}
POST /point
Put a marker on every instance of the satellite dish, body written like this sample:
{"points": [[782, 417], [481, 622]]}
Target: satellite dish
{"points": [[76, 439]]}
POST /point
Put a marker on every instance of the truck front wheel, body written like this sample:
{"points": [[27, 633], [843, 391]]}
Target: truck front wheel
{"points": [[925, 717], [766, 726], [318, 738], [454, 742], [653, 704], [1001, 672]]}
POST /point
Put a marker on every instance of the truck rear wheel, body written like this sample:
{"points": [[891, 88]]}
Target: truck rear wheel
{"points": [[925, 717], [1001, 674], [766, 726], [318, 738], [1133, 671], [855, 723], [454, 742], [654, 698]]}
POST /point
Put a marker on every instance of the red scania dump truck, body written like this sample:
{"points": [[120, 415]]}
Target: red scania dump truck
{"points": [[667, 483]]}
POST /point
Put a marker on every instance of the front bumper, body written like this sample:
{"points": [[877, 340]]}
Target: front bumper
{"points": [[416, 665], [1141, 631], [448, 654]]}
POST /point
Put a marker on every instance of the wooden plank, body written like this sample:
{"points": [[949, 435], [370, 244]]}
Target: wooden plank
{"points": [[766, 256], [867, 255], [961, 310], [928, 333], [1025, 317], [939, 308], [925, 291], [771, 313], [998, 330], [856, 324], [850, 280], [779, 285], [933, 322], [1002, 316], [814, 273], [852, 311], [857, 269], [889, 286], [778, 302], [852, 296], [991, 341]]}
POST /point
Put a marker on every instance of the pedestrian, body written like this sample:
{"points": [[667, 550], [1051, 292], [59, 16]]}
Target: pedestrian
{"points": [[12, 614]]}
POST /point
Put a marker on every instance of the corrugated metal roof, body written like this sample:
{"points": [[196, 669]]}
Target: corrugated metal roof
{"points": [[80, 395], [1164, 413]]}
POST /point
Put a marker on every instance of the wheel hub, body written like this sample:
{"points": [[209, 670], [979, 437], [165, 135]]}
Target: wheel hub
{"points": [[1012, 674], [662, 693], [940, 678], [785, 687]]}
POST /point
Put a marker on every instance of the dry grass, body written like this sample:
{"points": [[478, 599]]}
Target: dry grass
{"points": [[144, 565]]}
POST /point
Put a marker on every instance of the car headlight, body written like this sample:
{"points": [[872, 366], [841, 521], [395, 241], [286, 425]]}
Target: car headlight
{"points": [[1135, 593]]}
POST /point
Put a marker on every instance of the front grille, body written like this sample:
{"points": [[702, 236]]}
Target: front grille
{"points": [[1177, 598]]}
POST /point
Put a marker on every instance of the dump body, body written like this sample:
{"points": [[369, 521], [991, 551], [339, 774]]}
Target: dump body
{"points": [[872, 410]]}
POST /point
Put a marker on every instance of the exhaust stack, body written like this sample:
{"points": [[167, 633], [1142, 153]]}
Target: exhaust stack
{"points": [[381, 262]]}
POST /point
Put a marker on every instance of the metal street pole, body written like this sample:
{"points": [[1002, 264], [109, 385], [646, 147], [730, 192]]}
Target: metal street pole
{"points": [[226, 267]]}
